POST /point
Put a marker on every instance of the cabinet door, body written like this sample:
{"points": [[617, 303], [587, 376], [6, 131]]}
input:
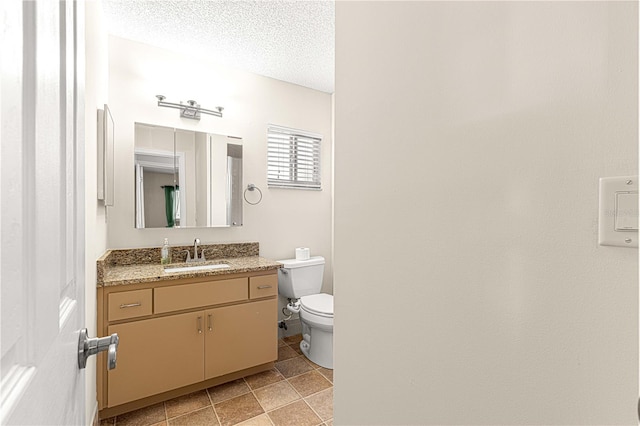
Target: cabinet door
{"points": [[240, 336], [156, 355]]}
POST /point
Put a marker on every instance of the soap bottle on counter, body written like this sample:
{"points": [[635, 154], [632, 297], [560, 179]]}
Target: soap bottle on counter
{"points": [[165, 253]]}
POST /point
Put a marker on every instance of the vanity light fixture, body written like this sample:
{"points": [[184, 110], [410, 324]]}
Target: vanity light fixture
{"points": [[191, 110]]}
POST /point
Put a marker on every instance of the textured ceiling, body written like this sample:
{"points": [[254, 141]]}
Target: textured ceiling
{"points": [[291, 41]]}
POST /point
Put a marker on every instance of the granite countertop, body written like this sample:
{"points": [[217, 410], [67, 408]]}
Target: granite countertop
{"points": [[135, 266], [135, 274]]}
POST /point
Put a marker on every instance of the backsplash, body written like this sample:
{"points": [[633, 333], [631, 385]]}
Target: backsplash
{"points": [[151, 255]]}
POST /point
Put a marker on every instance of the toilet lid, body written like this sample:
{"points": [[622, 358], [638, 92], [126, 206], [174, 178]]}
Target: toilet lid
{"points": [[321, 304]]}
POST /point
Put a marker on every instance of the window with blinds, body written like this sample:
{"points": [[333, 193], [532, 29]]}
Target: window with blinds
{"points": [[293, 158]]}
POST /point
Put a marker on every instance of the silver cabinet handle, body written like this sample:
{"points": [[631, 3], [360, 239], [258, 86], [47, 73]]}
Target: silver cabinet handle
{"points": [[210, 321], [199, 325], [130, 305], [91, 346], [262, 287]]}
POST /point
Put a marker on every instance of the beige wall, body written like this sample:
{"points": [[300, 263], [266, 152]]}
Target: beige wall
{"points": [[285, 219], [96, 92], [469, 286]]}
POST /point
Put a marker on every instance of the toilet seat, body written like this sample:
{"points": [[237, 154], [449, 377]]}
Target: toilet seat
{"points": [[318, 304]]}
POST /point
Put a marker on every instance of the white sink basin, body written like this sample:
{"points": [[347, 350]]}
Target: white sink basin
{"points": [[175, 269]]}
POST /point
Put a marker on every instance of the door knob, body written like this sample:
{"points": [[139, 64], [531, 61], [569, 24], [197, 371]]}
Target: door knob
{"points": [[88, 346]]}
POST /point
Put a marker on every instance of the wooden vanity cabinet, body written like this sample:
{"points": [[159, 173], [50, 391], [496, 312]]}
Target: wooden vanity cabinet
{"points": [[248, 329], [155, 356], [199, 332]]}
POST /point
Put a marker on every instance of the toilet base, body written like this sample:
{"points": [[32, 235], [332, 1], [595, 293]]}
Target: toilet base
{"points": [[317, 345]]}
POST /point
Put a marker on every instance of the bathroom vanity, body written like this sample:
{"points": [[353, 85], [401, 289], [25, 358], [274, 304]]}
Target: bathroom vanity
{"points": [[183, 331]]}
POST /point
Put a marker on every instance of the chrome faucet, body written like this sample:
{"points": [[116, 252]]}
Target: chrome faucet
{"points": [[197, 258], [195, 249]]}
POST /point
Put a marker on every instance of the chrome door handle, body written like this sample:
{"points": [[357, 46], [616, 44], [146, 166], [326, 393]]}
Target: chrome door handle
{"points": [[112, 354], [90, 346]]}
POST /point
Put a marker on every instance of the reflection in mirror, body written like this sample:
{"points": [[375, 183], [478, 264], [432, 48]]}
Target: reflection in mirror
{"points": [[185, 178]]}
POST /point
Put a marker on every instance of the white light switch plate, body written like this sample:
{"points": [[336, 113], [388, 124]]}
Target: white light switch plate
{"points": [[618, 216]]}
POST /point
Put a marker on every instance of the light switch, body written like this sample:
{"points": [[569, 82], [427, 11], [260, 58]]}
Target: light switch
{"points": [[626, 218], [618, 213]]}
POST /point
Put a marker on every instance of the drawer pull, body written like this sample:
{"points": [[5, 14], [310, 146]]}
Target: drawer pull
{"points": [[130, 305], [210, 321], [262, 287]]}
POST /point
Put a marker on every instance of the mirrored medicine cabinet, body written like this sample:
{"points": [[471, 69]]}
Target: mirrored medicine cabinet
{"points": [[185, 178]]}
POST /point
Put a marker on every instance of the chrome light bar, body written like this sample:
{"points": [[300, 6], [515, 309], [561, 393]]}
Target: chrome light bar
{"points": [[191, 110]]}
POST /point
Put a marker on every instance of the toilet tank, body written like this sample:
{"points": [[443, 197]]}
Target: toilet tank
{"points": [[299, 278]]}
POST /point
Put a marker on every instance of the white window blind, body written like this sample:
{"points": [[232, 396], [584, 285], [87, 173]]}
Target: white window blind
{"points": [[293, 158]]}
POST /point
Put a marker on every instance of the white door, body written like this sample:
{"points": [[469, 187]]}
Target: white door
{"points": [[42, 205]]}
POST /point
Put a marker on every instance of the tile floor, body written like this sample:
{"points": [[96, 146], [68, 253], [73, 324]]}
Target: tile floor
{"points": [[297, 392]]}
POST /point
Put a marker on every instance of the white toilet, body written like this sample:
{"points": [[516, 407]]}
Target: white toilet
{"points": [[301, 281]]}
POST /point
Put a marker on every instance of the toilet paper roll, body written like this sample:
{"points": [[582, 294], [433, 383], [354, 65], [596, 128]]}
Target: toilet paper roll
{"points": [[302, 253]]}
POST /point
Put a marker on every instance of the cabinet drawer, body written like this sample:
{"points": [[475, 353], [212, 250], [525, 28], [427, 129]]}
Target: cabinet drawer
{"points": [[187, 296], [130, 304], [263, 286]]}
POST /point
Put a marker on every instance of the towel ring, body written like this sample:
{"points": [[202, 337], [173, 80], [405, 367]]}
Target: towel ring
{"points": [[251, 187]]}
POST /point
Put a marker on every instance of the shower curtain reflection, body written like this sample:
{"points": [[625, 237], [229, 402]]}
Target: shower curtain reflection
{"points": [[172, 205]]}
